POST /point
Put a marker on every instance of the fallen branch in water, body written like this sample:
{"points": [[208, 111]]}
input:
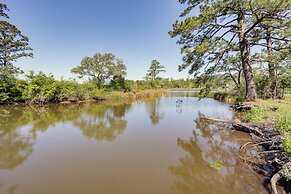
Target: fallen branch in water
{"points": [[215, 120], [237, 125], [270, 144], [245, 128]]}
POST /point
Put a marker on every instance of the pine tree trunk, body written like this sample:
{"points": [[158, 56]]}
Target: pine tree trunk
{"points": [[271, 67], [251, 93]]}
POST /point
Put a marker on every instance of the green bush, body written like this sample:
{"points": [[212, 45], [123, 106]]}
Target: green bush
{"points": [[221, 96], [283, 124], [287, 145], [256, 114]]}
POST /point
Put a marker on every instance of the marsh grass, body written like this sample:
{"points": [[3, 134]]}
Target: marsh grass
{"points": [[135, 95]]}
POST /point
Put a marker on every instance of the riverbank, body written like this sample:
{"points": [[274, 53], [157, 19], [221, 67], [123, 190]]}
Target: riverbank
{"points": [[100, 96], [269, 122]]}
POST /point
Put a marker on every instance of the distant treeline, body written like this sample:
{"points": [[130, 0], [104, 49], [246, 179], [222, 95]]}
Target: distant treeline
{"points": [[35, 87]]}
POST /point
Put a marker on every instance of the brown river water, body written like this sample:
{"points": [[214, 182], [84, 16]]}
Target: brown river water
{"points": [[147, 147]]}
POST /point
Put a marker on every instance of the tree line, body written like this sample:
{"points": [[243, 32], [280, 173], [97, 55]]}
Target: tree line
{"points": [[105, 72], [242, 45]]}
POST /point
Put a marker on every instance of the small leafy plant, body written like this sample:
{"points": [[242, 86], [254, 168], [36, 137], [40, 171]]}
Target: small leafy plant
{"points": [[283, 124], [287, 145], [287, 173], [215, 164]]}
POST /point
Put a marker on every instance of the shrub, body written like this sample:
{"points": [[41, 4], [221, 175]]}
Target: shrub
{"points": [[287, 145], [256, 114], [220, 96], [283, 124]]}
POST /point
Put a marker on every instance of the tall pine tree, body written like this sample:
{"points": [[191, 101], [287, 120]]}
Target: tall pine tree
{"points": [[214, 29]]}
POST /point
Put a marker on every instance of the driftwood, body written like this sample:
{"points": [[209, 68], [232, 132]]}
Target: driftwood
{"points": [[242, 107], [215, 120], [277, 176], [237, 125], [245, 128], [269, 140]]}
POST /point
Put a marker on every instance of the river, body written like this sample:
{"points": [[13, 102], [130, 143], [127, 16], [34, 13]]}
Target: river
{"points": [[155, 146]]}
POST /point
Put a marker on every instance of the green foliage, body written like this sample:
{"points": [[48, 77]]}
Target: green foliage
{"points": [[3, 9], [70, 90], [221, 96], [217, 37], [256, 114], [278, 112], [10, 88], [287, 173], [215, 164], [287, 145], [152, 73], [118, 83], [13, 44], [40, 84], [283, 124], [100, 68]]}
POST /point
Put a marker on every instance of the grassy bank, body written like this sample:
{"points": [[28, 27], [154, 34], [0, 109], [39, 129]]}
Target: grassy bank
{"points": [[277, 112]]}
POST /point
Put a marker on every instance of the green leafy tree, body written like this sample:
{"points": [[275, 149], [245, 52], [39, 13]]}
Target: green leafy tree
{"points": [[40, 85], [274, 38], [118, 83], [155, 69], [7, 84], [218, 28], [232, 69], [13, 45], [3, 9], [100, 68]]}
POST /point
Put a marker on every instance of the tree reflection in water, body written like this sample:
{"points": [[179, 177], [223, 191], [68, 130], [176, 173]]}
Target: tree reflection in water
{"points": [[19, 127], [9, 190], [103, 122], [211, 143], [15, 146], [99, 121], [153, 110], [15, 149]]}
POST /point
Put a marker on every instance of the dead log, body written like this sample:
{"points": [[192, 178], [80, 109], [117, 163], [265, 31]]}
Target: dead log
{"points": [[276, 177], [245, 128], [215, 120], [237, 125], [242, 107]]}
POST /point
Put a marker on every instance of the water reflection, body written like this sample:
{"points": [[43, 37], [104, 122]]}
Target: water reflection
{"points": [[138, 162], [154, 111], [103, 122], [19, 126], [99, 121], [210, 143], [15, 148], [10, 190]]}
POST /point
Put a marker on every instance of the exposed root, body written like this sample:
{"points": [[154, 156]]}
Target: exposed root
{"points": [[245, 128], [276, 177], [246, 144], [270, 143]]}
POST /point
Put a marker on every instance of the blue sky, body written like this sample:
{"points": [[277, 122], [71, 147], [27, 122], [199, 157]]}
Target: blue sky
{"points": [[62, 32]]}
